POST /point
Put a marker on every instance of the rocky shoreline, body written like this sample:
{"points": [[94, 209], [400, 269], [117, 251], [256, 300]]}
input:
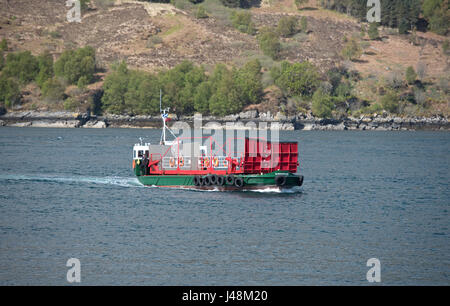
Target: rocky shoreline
{"points": [[244, 120]]}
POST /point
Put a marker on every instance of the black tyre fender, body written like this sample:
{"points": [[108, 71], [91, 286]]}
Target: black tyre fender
{"points": [[201, 181], [280, 180], [230, 180], [213, 179], [220, 181], [207, 181], [239, 182], [197, 181]]}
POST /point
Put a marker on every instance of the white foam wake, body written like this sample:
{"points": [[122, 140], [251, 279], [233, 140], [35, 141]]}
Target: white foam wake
{"points": [[112, 180]]}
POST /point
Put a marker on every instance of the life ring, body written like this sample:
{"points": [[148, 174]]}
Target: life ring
{"points": [[206, 162], [181, 162], [216, 162], [171, 162]]}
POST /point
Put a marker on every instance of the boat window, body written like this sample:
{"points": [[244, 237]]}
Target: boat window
{"points": [[140, 153], [147, 153], [134, 154]]}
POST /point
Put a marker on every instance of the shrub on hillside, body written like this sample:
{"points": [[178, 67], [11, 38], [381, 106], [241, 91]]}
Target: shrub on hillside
{"points": [[389, 102], [352, 50], [269, 43], [287, 26], [298, 79], [411, 75], [243, 22]]}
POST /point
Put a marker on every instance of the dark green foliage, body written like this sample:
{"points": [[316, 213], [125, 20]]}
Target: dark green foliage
{"points": [[84, 4], [322, 104], [287, 26], [269, 43], [437, 13], [298, 79], [389, 102], [186, 89], [445, 47], [196, 1], [300, 3], [304, 24], [73, 64], [9, 91], [45, 63], [248, 79], [243, 22], [2, 60], [236, 3], [395, 13], [4, 45], [352, 50], [373, 31], [411, 75], [201, 12], [53, 90], [22, 65]]}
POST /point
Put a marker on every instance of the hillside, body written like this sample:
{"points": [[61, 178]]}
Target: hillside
{"points": [[155, 36]]}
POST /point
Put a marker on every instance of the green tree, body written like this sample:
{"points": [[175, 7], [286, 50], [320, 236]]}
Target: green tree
{"points": [[115, 87], [45, 63], [202, 97], [287, 26], [4, 45], [2, 60], [269, 43], [411, 75], [373, 31], [352, 50], [298, 79], [300, 3], [73, 64], [9, 91], [201, 12], [322, 104], [389, 102], [53, 90], [248, 80], [243, 22], [22, 65]]}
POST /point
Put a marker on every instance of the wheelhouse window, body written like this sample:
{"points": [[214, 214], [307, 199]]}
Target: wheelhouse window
{"points": [[140, 153]]}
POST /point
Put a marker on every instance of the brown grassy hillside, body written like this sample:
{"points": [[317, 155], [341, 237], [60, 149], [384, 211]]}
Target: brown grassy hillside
{"points": [[153, 36]]}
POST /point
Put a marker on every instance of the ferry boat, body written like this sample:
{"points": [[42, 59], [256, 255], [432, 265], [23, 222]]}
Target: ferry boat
{"points": [[192, 163]]}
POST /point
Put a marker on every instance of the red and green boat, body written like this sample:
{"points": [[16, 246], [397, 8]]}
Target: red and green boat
{"points": [[202, 163]]}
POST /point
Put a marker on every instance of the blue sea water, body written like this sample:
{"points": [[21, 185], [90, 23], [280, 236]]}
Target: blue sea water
{"points": [[70, 193]]}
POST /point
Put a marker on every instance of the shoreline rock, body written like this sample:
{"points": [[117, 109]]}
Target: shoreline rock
{"points": [[244, 120]]}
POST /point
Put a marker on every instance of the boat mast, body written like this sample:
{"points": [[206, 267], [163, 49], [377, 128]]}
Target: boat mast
{"points": [[164, 115]]}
